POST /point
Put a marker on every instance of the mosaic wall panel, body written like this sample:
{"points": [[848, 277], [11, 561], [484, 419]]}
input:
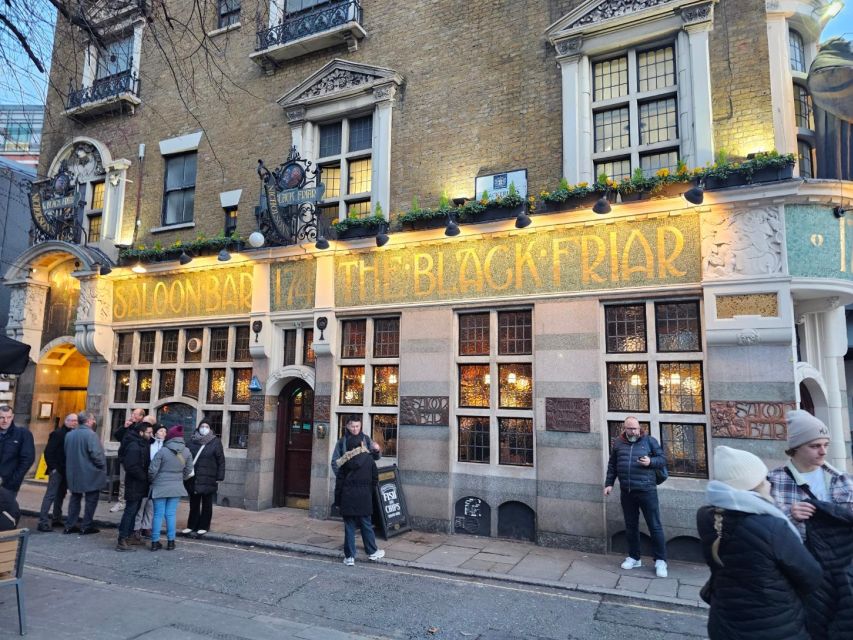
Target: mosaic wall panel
{"points": [[322, 408], [429, 411], [753, 420], [765, 305], [256, 407], [567, 414], [292, 284], [819, 244]]}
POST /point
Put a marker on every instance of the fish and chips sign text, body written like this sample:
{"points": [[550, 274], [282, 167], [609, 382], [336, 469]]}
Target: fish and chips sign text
{"points": [[200, 293], [657, 251]]}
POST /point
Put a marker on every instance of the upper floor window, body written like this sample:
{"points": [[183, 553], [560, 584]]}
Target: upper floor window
{"points": [[116, 58], [229, 13], [179, 190], [95, 213], [805, 156], [344, 153], [803, 112], [635, 113], [797, 51]]}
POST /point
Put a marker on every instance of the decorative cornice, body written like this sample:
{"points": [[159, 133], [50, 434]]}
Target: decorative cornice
{"points": [[296, 115], [614, 9], [697, 14], [569, 46]]}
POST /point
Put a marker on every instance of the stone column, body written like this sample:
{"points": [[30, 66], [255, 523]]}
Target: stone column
{"points": [[114, 197], [381, 187], [781, 90], [26, 313], [93, 338], [577, 152], [834, 331], [700, 78]]}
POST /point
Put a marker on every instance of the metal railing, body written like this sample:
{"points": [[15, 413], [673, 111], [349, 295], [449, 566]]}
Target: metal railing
{"points": [[321, 17], [104, 88]]}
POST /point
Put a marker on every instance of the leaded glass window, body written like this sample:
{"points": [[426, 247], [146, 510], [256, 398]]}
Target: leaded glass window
{"points": [[515, 333], [680, 387], [169, 350], [626, 328], [238, 436], [473, 439], [216, 386], [125, 348], [684, 446], [289, 347], [474, 385], [353, 339], [240, 393], [193, 345], [384, 432], [219, 344], [386, 338], [167, 383], [385, 385], [241, 345], [146, 346], [191, 383], [308, 355], [516, 386], [627, 386], [515, 440], [143, 385], [656, 69], [612, 130], [474, 334], [352, 385], [610, 78], [122, 386], [678, 326]]}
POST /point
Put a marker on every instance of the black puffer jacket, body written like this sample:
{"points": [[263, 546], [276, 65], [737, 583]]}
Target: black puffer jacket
{"points": [[757, 593], [623, 463], [209, 468], [54, 451], [10, 513], [357, 480], [829, 536], [135, 461]]}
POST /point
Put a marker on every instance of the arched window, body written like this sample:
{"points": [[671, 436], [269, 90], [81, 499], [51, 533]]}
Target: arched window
{"points": [[797, 51]]}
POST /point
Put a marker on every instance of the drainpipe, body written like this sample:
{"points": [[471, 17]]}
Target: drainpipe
{"points": [[833, 329], [136, 220]]}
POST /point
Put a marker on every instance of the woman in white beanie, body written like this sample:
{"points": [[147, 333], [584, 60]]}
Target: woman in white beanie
{"points": [[760, 570]]}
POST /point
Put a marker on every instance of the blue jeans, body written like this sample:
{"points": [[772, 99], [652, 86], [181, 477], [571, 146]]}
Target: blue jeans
{"points": [[169, 508], [367, 537], [647, 501]]}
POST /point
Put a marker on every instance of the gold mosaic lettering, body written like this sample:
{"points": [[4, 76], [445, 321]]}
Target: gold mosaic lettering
{"points": [[442, 290], [468, 259], [525, 259], [649, 269], [588, 268], [363, 270], [487, 270], [176, 297], [558, 251], [423, 272], [665, 262]]}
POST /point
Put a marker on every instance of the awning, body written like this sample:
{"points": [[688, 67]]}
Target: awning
{"points": [[14, 356], [831, 78]]}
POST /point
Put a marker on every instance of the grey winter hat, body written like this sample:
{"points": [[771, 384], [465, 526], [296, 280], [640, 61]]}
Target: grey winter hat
{"points": [[803, 427]]}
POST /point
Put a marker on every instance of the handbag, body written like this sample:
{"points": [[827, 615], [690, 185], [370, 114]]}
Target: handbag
{"points": [[661, 474]]}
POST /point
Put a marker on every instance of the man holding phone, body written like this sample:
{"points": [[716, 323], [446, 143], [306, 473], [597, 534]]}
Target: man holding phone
{"points": [[633, 460]]}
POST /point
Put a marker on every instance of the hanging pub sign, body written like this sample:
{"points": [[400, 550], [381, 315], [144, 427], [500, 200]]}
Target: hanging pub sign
{"points": [[287, 212], [393, 517], [56, 207]]}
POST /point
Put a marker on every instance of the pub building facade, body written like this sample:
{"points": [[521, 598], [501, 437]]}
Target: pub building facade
{"points": [[495, 366]]}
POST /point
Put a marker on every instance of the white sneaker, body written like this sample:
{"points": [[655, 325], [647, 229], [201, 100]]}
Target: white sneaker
{"points": [[377, 556], [118, 506], [660, 568], [201, 532], [630, 563], [186, 531], [349, 561]]}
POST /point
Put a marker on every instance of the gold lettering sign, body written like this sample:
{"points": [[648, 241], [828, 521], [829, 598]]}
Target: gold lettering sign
{"points": [[292, 285], [622, 254], [198, 293]]}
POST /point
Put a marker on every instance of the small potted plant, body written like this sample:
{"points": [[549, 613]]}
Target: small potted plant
{"points": [[357, 227], [416, 219], [566, 197], [724, 173], [770, 166], [500, 208]]}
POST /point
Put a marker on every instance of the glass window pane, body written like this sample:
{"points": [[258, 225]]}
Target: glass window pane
{"points": [[516, 386], [289, 347], [359, 176], [805, 154], [656, 68], [97, 195], [308, 355], [474, 385], [174, 208], [360, 209], [515, 437], [117, 418], [515, 333], [680, 387], [474, 334], [169, 350], [216, 386], [214, 419], [143, 385], [122, 386], [193, 346], [238, 435], [685, 449], [352, 385], [146, 347], [219, 344], [612, 130], [658, 121], [125, 348], [384, 433], [188, 205], [627, 386], [797, 51], [610, 78], [240, 393], [331, 177], [174, 172], [354, 338], [241, 345], [618, 170], [167, 383], [626, 328], [189, 169], [361, 133], [386, 338], [473, 439], [803, 113], [191, 383], [651, 163], [385, 385], [330, 139], [94, 229], [614, 429], [677, 326]]}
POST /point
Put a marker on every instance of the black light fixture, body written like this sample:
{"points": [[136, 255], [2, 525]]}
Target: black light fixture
{"points": [[223, 256], [186, 258], [382, 235], [105, 270], [602, 205], [695, 194], [839, 211], [452, 229], [322, 244], [522, 220]]}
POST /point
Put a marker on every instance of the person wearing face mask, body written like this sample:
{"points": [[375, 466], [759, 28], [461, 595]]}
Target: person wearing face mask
{"points": [[209, 465], [633, 460]]}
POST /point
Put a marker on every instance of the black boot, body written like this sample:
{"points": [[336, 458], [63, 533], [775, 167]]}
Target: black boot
{"points": [[123, 546], [156, 546], [170, 545]]}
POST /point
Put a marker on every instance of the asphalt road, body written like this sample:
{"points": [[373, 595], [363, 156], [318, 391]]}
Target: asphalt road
{"points": [[79, 587]]}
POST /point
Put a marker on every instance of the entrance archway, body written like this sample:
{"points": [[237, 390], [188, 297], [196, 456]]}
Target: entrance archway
{"points": [[293, 443], [60, 388]]}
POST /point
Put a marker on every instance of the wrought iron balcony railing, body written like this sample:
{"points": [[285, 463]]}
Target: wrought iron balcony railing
{"points": [[319, 18], [103, 89]]}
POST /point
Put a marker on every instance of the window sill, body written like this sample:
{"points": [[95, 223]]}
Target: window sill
{"points": [[221, 30], [172, 227]]}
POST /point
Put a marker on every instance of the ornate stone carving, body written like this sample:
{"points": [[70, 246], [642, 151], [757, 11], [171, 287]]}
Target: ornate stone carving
{"points": [[385, 92], [765, 305], [17, 304], [742, 243], [697, 13], [615, 8], [84, 162], [755, 420], [569, 46], [425, 410], [748, 337], [295, 115], [833, 303], [567, 414], [322, 408], [337, 80]]}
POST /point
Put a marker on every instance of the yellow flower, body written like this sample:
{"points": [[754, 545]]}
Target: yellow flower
{"points": [[583, 185], [662, 173], [610, 182]]}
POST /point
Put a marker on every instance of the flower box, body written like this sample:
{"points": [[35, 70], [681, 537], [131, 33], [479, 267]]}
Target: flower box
{"points": [[351, 233], [572, 202], [493, 212], [773, 174], [671, 190], [733, 179], [424, 223]]}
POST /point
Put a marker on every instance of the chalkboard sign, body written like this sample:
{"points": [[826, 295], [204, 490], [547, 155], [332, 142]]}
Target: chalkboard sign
{"points": [[473, 516], [391, 504]]}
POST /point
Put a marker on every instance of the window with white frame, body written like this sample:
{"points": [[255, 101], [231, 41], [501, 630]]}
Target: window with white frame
{"points": [[229, 13], [369, 378], [495, 345], [803, 105], [116, 58], [654, 366], [205, 369], [344, 152], [179, 188], [95, 211], [635, 112]]}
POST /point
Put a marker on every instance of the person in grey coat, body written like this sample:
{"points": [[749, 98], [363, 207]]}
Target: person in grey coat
{"points": [[170, 467], [86, 473]]}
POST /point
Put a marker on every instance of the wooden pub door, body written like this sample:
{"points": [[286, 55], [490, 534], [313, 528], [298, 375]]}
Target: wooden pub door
{"points": [[294, 438]]}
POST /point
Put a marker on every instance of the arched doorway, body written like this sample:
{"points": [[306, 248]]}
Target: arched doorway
{"points": [[294, 439], [60, 386]]}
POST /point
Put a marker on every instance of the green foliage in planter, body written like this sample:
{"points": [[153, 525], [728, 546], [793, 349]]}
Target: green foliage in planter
{"points": [[566, 192], [370, 222], [198, 247]]}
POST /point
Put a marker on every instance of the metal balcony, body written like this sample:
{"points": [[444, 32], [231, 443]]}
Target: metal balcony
{"points": [[117, 92]]}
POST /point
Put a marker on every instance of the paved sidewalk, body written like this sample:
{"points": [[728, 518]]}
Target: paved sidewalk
{"points": [[475, 556]]}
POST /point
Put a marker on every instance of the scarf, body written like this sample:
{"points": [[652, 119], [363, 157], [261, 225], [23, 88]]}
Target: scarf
{"points": [[203, 440], [719, 494], [349, 455]]}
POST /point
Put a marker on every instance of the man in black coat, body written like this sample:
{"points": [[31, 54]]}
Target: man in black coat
{"points": [[353, 428], [357, 481], [17, 450], [54, 458], [634, 458], [137, 416], [10, 513], [135, 460]]}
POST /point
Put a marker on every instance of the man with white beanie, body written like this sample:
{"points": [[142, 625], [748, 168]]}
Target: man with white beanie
{"points": [[807, 474], [760, 570]]}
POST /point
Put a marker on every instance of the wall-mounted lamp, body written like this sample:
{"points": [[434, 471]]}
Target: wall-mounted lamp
{"points": [[139, 268], [452, 229], [382, 235], [322, 323], [322, 244], [257, 325], [103, 269], [839, 211], [255, 384], [602, 205], [322, 430], [695, 194], [223, 256], [523, 220], [184, 258]]}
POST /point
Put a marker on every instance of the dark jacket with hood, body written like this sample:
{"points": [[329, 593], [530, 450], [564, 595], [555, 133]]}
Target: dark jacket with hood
{"points": [[135, 462], [623, 463], [829, 607], [54, 451], [209, 467], [170, 467], [357, 480], [17, 454]]}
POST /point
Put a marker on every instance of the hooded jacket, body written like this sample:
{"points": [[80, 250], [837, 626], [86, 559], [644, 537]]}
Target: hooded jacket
{"points": [[209, 467], [357, 480], [170, 467], [758, 592], [17, 454], [623, 463], [135, 462]]}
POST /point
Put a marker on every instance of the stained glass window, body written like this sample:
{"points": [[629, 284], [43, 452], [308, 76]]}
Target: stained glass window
{"points": [[384, 432], [678, 326], [167, 383], [386, 338], [125, 348], [146, 346], [680, 387], [516, 386], [143, 385], [169, 350], [308, 355], [385, 385], [122, 386], [219, 344], [474, 385], [354, 337], [241, 345], [474, 334], [473, 439], [352, 385], [515, 437], [627, 386], [515, 333], [241, 393], [685, 449], [191, 383], [626, 328], [216, 386], [238, 436]]}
